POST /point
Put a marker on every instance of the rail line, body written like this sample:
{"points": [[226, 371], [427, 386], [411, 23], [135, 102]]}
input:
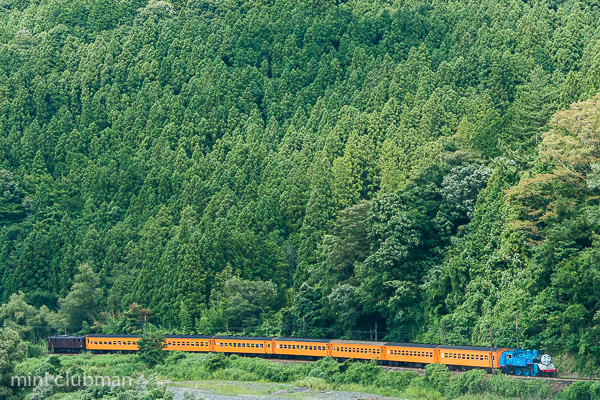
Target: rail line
{"points": [[564, 380]]}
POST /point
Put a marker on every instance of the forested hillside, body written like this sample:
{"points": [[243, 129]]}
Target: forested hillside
{"points": [[305, 167]]}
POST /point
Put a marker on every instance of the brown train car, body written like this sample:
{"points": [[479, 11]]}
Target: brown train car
{"points": [[417, 353], [301, 347], [66, 344], [356, 349], [109, 343], [242, 344], [466, 357], [202, 343]]}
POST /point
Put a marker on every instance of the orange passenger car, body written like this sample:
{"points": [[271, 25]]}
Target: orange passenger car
{"points": [[242, 344], [356, 349], [189, 343], [301, 347], [410, 353], [470, 356], [102, 343]]}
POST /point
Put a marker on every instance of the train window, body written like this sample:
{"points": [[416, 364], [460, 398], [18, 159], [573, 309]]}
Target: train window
{"points": [[509, 356], [261, 346]]}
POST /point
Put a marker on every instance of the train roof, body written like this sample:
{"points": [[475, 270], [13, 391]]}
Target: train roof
{"points": [[233, 337], [472, 348], [289, 339], [188, 336], [63, 336], [420, 345], [366, 343], [114, 336]]}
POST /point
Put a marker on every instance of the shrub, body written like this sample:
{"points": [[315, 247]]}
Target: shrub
{"points": [[175, 356], [326, 368], [219, 361], [151, 349], [522, 388], [437, 377], [35, 350], [396, 380], [579, 391], [472, 382], [359, 372]]}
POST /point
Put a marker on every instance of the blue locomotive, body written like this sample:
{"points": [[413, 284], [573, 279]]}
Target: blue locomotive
{"points": [[526, 362]]}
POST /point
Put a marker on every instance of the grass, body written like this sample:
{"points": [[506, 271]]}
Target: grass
{"points": [[226, 375]]}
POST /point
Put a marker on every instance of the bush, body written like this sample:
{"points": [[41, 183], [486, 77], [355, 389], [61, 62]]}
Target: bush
{"points": [[437, 377], [359, 372], [396, 380], [151, 349], [219, 361], [522, 388], [326, 368], [582, 391], [471, 382], [174, 357], [36, 350]]}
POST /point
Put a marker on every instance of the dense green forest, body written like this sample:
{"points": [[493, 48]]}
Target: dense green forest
{"points": [[303, 168]]}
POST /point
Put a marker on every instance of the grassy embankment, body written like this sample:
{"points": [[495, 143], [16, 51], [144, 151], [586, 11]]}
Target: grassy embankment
{"points": [[327, 374]]}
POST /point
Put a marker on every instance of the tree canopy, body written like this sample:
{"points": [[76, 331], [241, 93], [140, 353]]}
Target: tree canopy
{"points": [[286, 169]]}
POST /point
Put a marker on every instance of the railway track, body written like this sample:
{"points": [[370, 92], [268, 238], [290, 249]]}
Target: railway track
{"points": [[563, 380]]}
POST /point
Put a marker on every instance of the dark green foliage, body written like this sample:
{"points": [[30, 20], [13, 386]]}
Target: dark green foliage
{"points": [[280, 169], [151, 349]]}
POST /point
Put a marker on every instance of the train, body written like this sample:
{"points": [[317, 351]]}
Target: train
{"points": [[509, 361]]}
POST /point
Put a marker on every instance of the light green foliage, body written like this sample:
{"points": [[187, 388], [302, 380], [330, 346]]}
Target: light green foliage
{"points": [[29, 322], [12, 351], [83, 301]]}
